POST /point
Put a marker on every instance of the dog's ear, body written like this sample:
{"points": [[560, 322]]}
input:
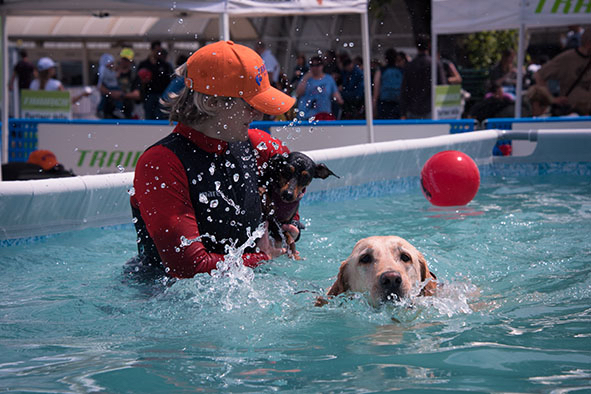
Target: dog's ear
{"points": [[341, 285], [321, 171], [430, 287], [269, 168]]}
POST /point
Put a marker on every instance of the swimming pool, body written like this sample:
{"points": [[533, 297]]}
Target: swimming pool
{"points": [[514, 315]]}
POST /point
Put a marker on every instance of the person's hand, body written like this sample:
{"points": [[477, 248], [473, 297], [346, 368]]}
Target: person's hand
{"points": [[267, 245], [291, 229]]}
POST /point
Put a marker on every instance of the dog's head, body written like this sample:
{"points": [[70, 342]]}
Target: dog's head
{"points": [[289, 175], [384, 266]]}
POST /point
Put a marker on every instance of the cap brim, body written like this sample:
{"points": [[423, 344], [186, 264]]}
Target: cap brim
{"points": [[271, 102]]}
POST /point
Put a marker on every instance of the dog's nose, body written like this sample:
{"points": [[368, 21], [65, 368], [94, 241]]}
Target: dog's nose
{"points": [[390, 282]]}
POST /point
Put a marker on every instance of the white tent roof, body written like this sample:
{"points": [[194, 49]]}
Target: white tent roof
{"points": [[174, 7], [467, 16], [77, 27]]}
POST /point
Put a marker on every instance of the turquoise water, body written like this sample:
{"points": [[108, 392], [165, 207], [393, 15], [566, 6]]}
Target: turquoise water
{"points": [[514, 314]]}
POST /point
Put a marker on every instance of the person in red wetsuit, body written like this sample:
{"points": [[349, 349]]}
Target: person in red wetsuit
{"points": [[195, 191]]}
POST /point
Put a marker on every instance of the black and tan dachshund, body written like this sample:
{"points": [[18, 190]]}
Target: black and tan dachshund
{"points": [[282, 186]]}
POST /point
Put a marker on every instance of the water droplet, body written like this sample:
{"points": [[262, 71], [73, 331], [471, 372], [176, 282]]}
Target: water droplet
{"points": [[241, 93], [120, 168], [203, 198], [236, 177], [275, 145], [163, 185], [262, 146], [134, 220], [212, 168], [181, 21], [214, 203], [131, 191], [194, 181]]}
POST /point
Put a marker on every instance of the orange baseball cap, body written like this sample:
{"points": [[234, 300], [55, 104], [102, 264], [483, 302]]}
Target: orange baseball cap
{"points": [[43, 158], [232, 70]]}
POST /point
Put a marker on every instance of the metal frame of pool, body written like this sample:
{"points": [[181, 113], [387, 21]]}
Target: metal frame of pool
{"points": [[35, 208]]}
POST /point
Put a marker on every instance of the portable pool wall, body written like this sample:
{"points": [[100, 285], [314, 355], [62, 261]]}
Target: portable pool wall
{"points": [[35, 208]]}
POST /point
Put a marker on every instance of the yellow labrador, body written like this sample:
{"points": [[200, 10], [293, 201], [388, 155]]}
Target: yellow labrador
{"points": [[387, 267]]}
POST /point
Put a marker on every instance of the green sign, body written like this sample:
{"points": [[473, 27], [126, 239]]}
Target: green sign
{"points": [[45, 104], [448, 101], [564, 6]]}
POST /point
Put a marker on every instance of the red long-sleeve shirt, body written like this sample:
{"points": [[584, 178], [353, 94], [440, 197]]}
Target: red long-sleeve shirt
{"points": [[168, 212]]}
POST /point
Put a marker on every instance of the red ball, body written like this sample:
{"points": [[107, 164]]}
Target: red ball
{"points": [[450, 178]]}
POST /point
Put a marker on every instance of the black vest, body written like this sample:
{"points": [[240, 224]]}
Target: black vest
{"points": [[224, 193]]}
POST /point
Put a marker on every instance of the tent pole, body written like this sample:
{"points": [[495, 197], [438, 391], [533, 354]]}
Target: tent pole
{"points": [[433, 73], [367, 76], [224, 26], [4, 83], [520, 60]]}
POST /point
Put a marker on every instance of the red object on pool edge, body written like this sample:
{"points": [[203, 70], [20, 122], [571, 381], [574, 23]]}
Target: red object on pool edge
{"points": [[450, 178]]}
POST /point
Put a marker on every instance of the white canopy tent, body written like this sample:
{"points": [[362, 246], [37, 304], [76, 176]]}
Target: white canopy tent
{"points": [[468, 16], [223, 9]]}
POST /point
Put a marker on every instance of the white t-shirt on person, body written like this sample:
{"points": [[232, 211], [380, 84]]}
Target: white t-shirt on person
{"points": [[51, 84]]}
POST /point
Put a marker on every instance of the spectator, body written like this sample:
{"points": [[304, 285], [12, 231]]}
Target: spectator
{"points": [[352, 90], [316, 91], [572, 38], [495, 103], [540, 100], [155, 74], [23, 71], [572, 70], [200, 181], [452, 76], [271, 63], [331, 66], [415, 92], [387, 84], [129, 84], [110, 106], [504, 73], [300, 69], [45, 81], [41, 164]]}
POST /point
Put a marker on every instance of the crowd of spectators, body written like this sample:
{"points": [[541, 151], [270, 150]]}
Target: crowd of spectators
{"points": [[330, 85]]}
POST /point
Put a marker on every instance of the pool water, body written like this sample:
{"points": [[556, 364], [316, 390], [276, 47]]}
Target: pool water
{"points": [[514, 314]]}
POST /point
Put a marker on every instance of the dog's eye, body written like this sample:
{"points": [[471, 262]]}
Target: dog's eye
{"points": [[365, 259], [405, 257]]}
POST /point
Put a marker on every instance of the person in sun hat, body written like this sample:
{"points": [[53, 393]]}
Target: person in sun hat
{"points": [[199, 183], [46, 71]]}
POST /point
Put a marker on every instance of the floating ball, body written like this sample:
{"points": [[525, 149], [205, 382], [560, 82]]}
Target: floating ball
{"points": [[450, 178]]}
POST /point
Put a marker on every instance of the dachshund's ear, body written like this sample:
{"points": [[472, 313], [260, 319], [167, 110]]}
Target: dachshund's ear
{"points": [[341, 285], [321, 171], [430, 287]]}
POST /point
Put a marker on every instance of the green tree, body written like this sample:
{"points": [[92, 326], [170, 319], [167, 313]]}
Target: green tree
{"points": [[483, 49]]}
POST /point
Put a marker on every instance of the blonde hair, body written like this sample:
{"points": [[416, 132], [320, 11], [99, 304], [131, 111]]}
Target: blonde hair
{"points": [[539, 94], [189, 106]]}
